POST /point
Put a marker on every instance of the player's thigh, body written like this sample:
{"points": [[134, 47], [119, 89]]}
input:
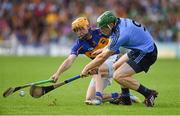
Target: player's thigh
{"points": [[120, 61], [125, 70]]}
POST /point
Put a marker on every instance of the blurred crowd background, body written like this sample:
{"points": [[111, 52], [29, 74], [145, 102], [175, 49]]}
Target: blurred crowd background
{"points": [[44, 22]]}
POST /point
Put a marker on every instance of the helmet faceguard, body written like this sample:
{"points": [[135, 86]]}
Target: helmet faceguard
{"points": [[106, 19]]}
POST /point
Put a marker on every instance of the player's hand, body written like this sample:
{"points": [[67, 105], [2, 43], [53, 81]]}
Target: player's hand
{"points": [[95, 53], [55, 77], [93, 71], [84, 73]]}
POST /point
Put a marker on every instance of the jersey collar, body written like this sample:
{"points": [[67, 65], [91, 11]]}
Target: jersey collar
{"points": [[117, 23]]}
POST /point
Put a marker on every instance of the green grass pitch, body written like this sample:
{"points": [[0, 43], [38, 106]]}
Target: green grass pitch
{"points": [[164, 76]]}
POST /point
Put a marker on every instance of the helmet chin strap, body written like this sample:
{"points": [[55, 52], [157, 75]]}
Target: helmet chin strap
{"points": [[109, 27]]}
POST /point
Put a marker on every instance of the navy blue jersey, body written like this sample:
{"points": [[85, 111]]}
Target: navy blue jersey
{"points": [[87, 47]]}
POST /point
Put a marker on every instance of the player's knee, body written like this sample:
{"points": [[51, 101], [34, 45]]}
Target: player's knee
{"points": [[114, 66], [104, 75], [103, 72], [100, 70], [117, 76], [120, 80]]}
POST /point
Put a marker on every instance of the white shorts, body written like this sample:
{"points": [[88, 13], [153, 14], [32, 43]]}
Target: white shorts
{"points": [[107, 80]]}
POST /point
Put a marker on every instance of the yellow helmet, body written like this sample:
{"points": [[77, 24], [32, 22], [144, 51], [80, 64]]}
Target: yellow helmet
{"points": [[81, 22]]}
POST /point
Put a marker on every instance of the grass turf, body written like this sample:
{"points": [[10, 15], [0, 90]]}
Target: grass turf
{"points": [[164, 76]]}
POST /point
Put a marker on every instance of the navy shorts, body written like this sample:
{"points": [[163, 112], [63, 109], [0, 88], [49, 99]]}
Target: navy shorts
{"points": [[141, 61]]}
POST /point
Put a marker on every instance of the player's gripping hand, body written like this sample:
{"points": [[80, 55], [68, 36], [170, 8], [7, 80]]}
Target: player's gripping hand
{"points": [[93, 71], [85, 73], [95, 53], [55, 77]]}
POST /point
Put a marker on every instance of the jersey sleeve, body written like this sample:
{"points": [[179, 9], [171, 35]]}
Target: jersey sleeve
{"points": [[76, 48]]}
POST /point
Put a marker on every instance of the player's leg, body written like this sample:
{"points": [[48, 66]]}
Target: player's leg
{"points": [[123, 76], [106, 70], [90, 94], [100, 84], [137, 62], [95, 89], [99, 87], [106, 74], [124, 90]]}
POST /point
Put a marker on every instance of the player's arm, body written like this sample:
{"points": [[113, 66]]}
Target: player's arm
{"points": [[99, 60], [64, 66], [95, 53], [98, 51]]}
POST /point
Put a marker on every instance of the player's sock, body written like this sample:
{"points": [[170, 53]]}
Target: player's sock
{"points": [[98, 98], [125, 91], [114, 95], [144, 91], [99, 95], [126, 100]]}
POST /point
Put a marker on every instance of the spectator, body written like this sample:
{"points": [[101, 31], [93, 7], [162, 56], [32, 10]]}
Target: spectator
{"points": [[45, 21]]}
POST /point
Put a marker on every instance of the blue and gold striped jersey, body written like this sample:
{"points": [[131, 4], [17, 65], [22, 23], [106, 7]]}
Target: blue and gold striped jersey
{"points": [[87, 47]]}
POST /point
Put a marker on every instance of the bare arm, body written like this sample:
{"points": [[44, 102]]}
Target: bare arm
{"points": [[99, 60], [97, 52], [64, 66]]}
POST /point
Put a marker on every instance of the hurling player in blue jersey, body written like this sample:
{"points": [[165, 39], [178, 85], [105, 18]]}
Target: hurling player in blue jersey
{"points": [[129, 34], [90, 43]]}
